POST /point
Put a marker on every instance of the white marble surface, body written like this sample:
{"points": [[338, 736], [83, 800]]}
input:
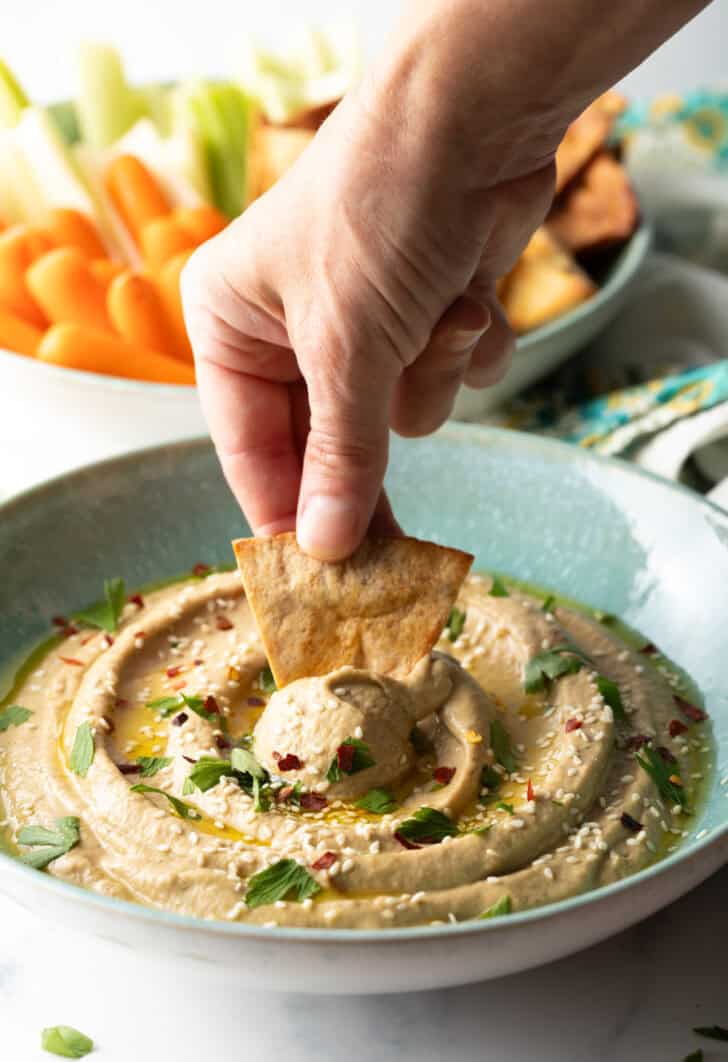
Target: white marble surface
{"points": [[632, 999]]}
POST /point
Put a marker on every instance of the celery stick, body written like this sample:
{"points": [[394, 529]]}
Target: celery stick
{"points": [[107, 105], [12, 98], [220, 114]]}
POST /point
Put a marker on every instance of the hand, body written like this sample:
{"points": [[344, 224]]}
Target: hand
{"points": [[357, 295]]}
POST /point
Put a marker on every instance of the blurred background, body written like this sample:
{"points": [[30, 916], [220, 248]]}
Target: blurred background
{"points": [[164, 38]]}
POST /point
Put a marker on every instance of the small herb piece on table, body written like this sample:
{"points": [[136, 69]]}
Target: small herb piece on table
{"points": [[378, 801], [82, 753], [13, 715], [50, 843], [455, 623], [351, 757], [65, 1041], [183, 810], [105, 614], [712, 1032], [500, 907], [500, 741], [498, 587], [285, 879], [610, 692], [427, 826]]}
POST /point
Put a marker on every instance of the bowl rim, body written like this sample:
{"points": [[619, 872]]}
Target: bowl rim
{"points": [[627, 264], [453, 431]]}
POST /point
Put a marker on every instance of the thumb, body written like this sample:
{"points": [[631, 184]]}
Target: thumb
{"points": [[346, 453]]}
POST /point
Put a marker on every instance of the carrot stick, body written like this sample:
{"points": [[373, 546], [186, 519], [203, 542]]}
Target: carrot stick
{"points": [[20, 246], [138, 314], [92, 350], [136, 193], [162, 239], [71, 228], [67, 290], [202, 222], [105, 269], [168, 281], [17, 335]]}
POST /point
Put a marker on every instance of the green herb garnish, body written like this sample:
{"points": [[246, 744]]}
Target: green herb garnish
{"points": [[549, 604], [502, 806], [500, 907], [660, 773], [266, 681], [551, 664], [346, 762], [13, 715], [455, 624], [206, 774], [712, 1032], [695, 1056], [427, 826], [286, 879], [378, 801], [610, 692], [167, 706], [497, 587], [183, 810], [82, 753], [50, 843], [245, 762], [500, 741], [150, 765], [105, 614], [65, 1041], [490, 779], [485, 828]]}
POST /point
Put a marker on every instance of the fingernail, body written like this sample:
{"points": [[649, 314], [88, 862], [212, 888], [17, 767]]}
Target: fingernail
{"points": [[464, 339], [328, 527]]}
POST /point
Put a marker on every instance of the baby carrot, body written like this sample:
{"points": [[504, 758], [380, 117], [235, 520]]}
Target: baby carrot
{"points": [[162, 239], [71, 228], [136, 193], [168, 281], [67, 290], [139, 315], [17, 335], [20, 246], [93, 350], [105, 269], [202, 222]]}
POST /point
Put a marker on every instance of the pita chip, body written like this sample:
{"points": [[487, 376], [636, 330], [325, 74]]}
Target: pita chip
{"points": [[382, 609], [586, 136]]}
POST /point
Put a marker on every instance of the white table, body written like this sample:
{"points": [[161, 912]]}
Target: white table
{"points": [[632, 999]]}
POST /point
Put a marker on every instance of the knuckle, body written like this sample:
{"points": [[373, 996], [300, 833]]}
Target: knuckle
{"points": [[330, 450]]}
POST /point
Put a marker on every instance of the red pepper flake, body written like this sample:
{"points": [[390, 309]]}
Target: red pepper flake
{"points": [[129, 768], [666, 755], [677, 727], [179, 685], [68, 630], [221, 741], [120, 702], [325, 862], [573, 724], [404, 842], [223, 623], [85, 641], [198, 663], [200, 569], [649, 649], [530, 795], [444, 775], [290, 762], [59, 621], [173, 672], [345, 758], [211, 706], [313, 802], [136, 599], [139, 634], [255, 702], [629, 823], [691, 711], [180, 719], [283, 794], [71, 660], [107, 640]]}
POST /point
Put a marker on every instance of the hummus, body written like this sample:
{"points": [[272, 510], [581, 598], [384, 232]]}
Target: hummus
{"points": [[438, 796]]}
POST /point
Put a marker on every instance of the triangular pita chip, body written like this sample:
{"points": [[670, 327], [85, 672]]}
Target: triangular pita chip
{"points": [[382, 609]]}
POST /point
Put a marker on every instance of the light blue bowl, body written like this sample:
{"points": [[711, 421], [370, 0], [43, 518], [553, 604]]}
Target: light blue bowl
{"points": [[600, 531]]}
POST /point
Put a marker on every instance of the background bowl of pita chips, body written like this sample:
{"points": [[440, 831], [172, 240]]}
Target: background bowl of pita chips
{"points": [[599, 531]]}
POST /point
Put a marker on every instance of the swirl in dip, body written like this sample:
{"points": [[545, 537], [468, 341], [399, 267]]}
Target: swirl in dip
{"points": [[370, 801]]}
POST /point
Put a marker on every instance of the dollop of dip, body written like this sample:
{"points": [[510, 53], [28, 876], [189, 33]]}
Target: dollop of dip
{"points": [[351, 799]]}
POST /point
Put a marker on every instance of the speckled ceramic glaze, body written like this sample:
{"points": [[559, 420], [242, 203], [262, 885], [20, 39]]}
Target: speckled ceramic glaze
{"points": [[598, 531]]}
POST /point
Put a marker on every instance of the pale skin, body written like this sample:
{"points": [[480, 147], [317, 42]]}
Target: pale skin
{"points": [[357, 295]]}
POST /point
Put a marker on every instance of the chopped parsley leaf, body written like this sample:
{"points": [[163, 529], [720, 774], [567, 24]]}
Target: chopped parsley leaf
{"points": [[206, 774], [489, 778], [500, 741], [550, 664], [498, 588], [82, 753], [549, 604], [352, 756], [50, 843], [502, 806], [378, 801], [266, 681], [500, 907], [105, 614], [285, 879], [610, 692], [65, 1041], [427, 826], [661, 774], [150, 765], [13, 715], [183, 810], [455, 624]]}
